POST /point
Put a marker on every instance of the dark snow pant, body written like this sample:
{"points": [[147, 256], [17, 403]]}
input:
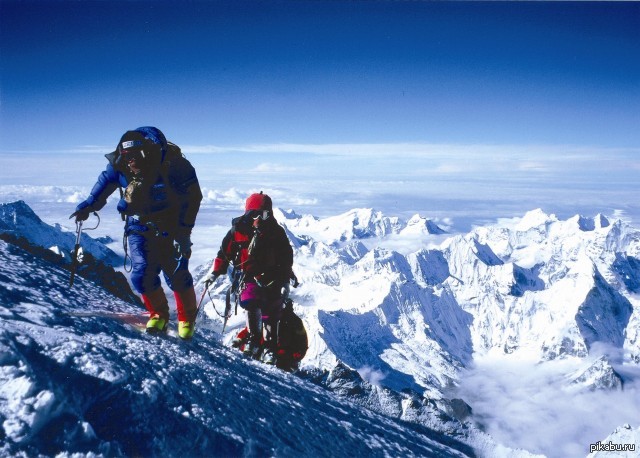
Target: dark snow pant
{"points": [[151, 254], [264, 308]]}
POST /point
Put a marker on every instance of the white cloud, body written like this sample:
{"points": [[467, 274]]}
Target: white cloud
{"points": [[442, 150], [449, 169], [527, 405], [532, 166], [273, 168], [71, 194], [76, 197], [371, 375], [230, 197]]}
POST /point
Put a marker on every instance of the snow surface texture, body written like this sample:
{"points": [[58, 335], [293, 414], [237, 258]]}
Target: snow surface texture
{"points": [[414, 310], [94, 385]]}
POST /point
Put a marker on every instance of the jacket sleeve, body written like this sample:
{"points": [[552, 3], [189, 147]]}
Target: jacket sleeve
{"points": [[226, 254], [189, 195], [105, 185], [279, 270], [286, 253]]}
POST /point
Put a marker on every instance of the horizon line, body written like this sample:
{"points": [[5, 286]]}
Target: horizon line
{"points": [[364, 149]]}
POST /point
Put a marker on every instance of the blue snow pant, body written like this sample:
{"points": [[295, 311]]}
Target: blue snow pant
{"points": [[152, 252]]}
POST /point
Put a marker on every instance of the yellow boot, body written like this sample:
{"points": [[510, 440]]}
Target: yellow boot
{"points": [[158, 307], [186, 306]]}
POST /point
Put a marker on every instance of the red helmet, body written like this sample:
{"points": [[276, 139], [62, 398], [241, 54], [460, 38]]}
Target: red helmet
{"points": [[258, 201]]}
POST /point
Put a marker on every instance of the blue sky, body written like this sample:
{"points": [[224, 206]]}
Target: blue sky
{"points": [[238, 72], [496, 102]]}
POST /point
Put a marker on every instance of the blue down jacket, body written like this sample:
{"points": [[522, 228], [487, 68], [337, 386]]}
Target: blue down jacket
{"points": [[172, 199]]}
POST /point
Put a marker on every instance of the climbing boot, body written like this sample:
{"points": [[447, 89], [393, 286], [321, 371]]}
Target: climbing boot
{"points": [[186, 329], [157, 325]]}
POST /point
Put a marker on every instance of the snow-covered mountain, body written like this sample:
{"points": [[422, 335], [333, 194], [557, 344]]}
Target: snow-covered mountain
{"points": [[20, 226], [360, 224], [394, 332], [535, 286], [17, 219]]}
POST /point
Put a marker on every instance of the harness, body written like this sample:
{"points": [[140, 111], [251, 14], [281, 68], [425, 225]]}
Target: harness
{"points": [[237, 283], [153, 227], [161, 191], [244, 247]]}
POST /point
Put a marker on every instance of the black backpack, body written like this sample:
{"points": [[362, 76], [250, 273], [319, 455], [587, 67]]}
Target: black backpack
{"points": [[292, 338]]}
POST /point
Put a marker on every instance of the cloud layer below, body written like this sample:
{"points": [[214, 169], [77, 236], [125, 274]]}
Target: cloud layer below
{"points": [[470, 184], [536, 410]]}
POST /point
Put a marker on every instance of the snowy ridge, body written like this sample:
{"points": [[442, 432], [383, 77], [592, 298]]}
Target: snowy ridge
{"points": [[600, 375], [93, 385], [546, 286], [17, 219], [362, 223]]}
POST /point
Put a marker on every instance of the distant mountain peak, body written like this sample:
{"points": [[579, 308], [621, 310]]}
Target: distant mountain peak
{"points": [[534, 218], [599, 375], [356, 224], [14, 214], [587, 224]]}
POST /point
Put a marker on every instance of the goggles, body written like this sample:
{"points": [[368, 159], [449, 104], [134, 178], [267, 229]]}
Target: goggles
{"points": [[132, 155], [259, 214]]}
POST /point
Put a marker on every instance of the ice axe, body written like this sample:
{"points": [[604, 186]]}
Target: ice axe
{"points": [[206, 288], [204, 293], [76, 250]]}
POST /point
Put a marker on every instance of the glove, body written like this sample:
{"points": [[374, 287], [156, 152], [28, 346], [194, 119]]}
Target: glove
{"points": [[82, 211], [182, 245], [122, 206], [210, 278]]}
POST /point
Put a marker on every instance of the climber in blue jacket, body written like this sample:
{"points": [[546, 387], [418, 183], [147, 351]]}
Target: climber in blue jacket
{"points": [[160, 199]]}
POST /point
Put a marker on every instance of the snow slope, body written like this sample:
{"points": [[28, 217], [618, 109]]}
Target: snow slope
{"points": [[94, 385], [20, 225]]}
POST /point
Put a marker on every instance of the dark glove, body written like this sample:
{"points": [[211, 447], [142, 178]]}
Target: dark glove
{"points": [[182, 244], [82, 211], [122, 206]]}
